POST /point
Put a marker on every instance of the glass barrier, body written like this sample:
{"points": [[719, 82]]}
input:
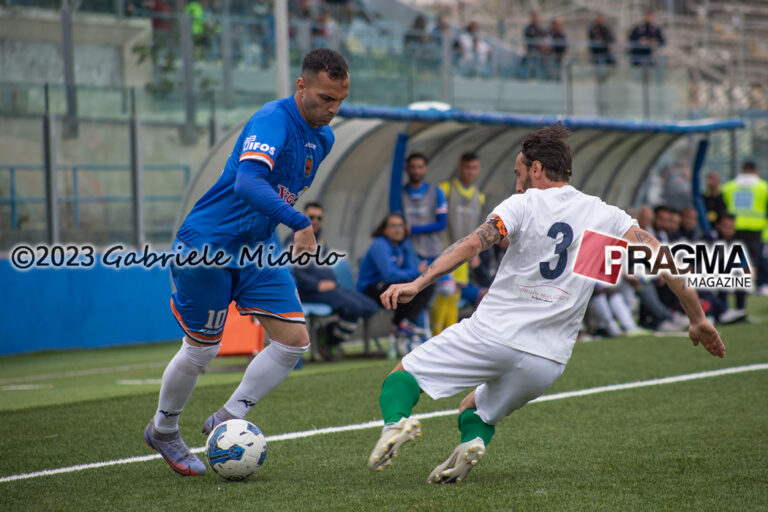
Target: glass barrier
{"points": [[230, 66]]}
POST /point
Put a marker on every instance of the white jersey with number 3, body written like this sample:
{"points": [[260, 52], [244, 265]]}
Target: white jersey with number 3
{"points": [[536, 303]]}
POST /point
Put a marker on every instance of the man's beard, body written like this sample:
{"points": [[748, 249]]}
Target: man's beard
{"points": [[527, 183]]}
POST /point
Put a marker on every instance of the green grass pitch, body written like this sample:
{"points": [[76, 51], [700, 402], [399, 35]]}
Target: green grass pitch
{"points": [[695, 445]]}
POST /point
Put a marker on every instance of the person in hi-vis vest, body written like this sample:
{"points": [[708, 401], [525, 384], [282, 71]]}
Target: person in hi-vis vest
{"points": [[746, 197], [465, 209]]}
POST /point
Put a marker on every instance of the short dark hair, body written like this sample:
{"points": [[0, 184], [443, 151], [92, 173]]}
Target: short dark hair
{"points": [[549, 146], [469, 156], [749, 165], [728, 216], [313, 204], [325, 59], [414, 156], [379, 231], [661, 208]]}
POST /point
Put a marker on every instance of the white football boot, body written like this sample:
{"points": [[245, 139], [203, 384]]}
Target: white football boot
{"points": [[457, 466], [393, 436]]}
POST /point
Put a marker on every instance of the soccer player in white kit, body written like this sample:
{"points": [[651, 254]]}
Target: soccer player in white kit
{"points": [[521, 336]]}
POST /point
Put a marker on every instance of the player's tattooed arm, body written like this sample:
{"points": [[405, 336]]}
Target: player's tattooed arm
{"points": [[492, 232], [461, 251], [642, 236]]}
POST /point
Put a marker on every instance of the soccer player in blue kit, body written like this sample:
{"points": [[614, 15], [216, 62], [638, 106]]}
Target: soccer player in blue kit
{"points": [[274, 161]]}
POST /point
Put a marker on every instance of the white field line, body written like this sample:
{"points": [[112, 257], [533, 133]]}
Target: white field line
{"points": [[377, 423], [80, 373], [25, 387], [139, 382]]}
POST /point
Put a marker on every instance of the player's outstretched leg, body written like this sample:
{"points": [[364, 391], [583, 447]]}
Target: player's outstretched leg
{"points": [[174, 450], [475, 435], [399, 393]]}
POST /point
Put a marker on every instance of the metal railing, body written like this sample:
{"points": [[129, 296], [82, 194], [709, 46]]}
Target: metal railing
{"points": [[76, 199]]}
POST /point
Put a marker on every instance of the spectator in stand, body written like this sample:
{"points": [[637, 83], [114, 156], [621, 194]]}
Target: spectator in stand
{"points": [[391, 259], [417, 40], [677, 186], [474, 52], [746, 197], [535, 47], [662, 218], [713, 198], [645, 218], [196, 10], [442, 29], [558, 47], [600, 40], [674, 221], [162, 17], [318, 284], [644, 39], [726, 231], [688, 230]]}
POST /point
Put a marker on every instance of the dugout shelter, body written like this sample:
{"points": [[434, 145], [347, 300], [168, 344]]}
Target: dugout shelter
{"points": [[613, 159]]}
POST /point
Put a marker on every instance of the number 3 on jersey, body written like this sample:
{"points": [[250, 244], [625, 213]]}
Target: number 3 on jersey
{"points": [[561, 249]]}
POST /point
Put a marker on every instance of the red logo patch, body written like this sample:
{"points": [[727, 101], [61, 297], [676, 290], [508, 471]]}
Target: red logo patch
{"points": [[600, 257], [286, 195]]}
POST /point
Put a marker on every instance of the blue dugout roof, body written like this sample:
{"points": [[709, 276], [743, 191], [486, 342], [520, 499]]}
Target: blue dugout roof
{"points": [[613, 158], [532, 121]]}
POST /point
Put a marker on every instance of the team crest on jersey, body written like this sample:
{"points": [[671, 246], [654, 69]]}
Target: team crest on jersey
{"points": [[286, 195], [308, 164]]}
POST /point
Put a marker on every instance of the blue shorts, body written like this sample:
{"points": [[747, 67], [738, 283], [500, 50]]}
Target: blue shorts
{"points": [[202, 296]]}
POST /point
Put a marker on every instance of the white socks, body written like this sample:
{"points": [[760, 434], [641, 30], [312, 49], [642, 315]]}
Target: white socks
{"points": [[179, 380], [268, 369]]}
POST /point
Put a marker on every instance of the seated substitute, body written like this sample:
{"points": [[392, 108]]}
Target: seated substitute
{"points": [[318, 284], [392, 259]]}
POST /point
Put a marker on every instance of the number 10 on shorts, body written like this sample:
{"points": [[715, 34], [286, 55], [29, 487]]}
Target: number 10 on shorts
{"points": [[216, 319]]}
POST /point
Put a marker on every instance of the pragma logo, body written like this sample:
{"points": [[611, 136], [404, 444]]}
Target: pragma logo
{"points": [[251, 144], [717, 265]]}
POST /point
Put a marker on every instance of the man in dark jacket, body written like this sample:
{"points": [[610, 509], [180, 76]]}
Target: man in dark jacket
{"points": [[600, 40], [644, 39]]}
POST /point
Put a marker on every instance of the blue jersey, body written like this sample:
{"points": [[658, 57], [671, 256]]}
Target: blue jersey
{"points": [[278, 137]]}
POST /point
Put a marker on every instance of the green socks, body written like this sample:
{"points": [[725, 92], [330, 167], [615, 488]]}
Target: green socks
{"points": [[399, 393], [471, 426]]}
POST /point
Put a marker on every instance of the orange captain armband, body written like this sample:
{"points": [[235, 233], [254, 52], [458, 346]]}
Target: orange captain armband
{"points": [[500, 225]]}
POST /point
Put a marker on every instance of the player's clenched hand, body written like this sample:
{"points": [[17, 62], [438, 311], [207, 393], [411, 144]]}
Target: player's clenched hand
{"points": [[404, 292], [705, 333], [304, 241]]}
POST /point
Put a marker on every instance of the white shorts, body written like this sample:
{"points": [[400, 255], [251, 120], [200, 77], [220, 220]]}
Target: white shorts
{"points": [[506, 379]]}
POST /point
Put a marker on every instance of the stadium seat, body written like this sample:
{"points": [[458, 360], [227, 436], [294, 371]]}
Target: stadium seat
{"points": [[344, 275]]}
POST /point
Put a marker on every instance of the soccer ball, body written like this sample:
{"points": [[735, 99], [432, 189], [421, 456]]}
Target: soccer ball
{"points": [[236, 449]]}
